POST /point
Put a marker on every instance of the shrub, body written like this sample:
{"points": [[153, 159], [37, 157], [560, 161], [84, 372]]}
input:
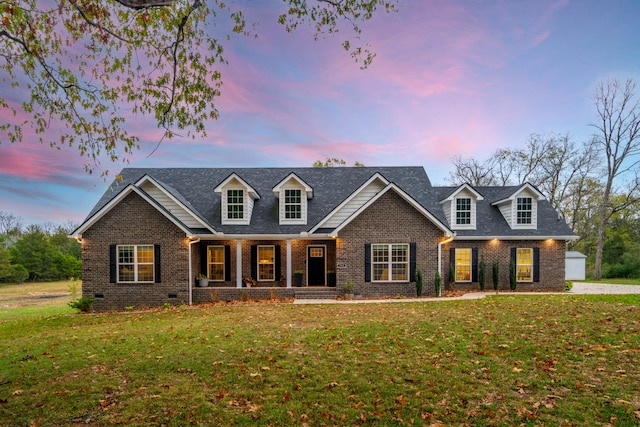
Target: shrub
{"points": [[482, 274], [349, 287], [419, 282], [452, 276], [496, 275], [568, 285], [438, 283], [82, 304], [512, 275], [627, 268]]}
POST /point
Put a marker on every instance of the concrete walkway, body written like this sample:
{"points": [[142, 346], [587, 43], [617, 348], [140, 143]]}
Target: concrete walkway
{"points": [[578, 289]]}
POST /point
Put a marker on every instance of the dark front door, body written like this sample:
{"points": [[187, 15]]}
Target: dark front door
{"points": [[316, 265]]}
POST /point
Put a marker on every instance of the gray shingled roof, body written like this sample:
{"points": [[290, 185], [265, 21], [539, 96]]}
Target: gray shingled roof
{"points": [[331, 186], [490, 222]]}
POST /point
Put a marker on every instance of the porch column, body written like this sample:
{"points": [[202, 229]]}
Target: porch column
{"points": [[238, 263], [289, 263]]}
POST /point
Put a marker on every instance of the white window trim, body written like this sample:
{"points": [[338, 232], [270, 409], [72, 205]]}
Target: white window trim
{"points": [[455, 265], [210, 263], [530, 211], [136, 264], [471, 213], [390, 262], [225, 207], [258, 263], [303, 206], [530, 279]]}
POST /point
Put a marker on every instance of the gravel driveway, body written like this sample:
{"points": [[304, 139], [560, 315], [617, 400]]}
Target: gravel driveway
{"points": [[603, 288]]}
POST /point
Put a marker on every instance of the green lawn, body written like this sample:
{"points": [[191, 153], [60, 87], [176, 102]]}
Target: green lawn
{"points": [[504, 360]]}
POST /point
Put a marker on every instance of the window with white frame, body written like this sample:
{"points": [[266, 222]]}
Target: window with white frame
{"points": [[266, 263], [292, 204], [524, 209], [524, 265], [390, 263], [463, 211], [235, 204], [135, 263], [463, 265], [215, 263]]}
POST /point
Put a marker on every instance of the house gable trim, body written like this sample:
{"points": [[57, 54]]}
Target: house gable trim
{"points": [[467, 187], [417, 206], [250, 190], [170, 195], [89, 222], [374, 177], [514, 195], [293, 177]]}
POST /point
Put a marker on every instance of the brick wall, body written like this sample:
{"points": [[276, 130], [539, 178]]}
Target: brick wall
{"points": [[134, 222], [389, 220], [552, 263]]}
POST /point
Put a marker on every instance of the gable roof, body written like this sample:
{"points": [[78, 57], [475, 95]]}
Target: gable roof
{"points": [[392, 187], [95, 215], [457, 191], [235, 177], [192, 189], [293, 177], [509, 196], [491, 224]]}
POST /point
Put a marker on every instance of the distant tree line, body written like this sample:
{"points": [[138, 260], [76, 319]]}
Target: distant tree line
{"points": [[37, 252], [594, 185]]}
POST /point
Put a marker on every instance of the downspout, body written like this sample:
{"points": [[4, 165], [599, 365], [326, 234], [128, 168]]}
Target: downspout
{"points": [[192, 240], [444, 242]]}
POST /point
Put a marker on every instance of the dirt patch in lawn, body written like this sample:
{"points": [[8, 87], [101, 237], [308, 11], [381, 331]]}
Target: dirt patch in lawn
{"points": [[36, 294]]}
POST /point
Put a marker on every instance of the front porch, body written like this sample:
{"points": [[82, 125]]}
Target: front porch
{"points": [[260, 268]]}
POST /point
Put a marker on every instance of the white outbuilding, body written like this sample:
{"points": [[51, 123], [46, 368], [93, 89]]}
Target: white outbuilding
{"points": [[574, 263]]}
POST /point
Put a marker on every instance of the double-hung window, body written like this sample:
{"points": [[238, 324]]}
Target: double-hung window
{"points": [[266, 263], [135, 263], [292, 204], [390, 263], [215, 263], [463, 265], [463, 211], [235, 204], [524, 265], [524, 209]]}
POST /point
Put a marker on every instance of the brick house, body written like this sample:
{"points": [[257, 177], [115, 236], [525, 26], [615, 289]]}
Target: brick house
{"points": [[155, 230]]}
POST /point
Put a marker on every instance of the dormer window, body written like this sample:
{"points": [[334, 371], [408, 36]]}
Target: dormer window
{"points": [[460, 207], [293, 204], [520, 208], [463, 211], [523, 210], [235, 204], [237, 199], [293, 194]]}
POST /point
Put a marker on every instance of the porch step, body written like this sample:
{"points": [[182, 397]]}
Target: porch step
{"points": [[315, 293]]}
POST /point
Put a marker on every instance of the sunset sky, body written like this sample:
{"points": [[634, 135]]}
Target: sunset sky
{"points": [[450, 78]]}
